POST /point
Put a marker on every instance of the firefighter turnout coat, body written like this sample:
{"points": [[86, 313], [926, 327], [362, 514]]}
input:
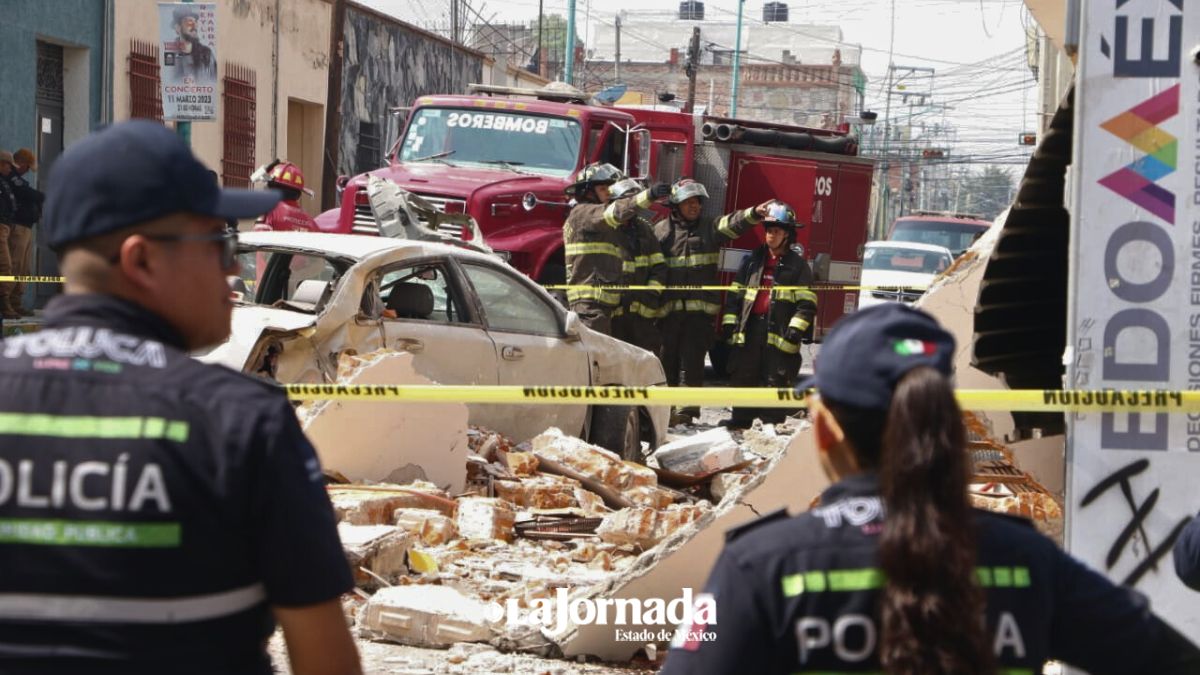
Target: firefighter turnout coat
{"points": [[790, 308], [692, 255], [595, 248], [644, 265]]}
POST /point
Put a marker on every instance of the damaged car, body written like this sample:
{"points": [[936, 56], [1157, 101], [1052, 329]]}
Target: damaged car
{"points": [[305, 299]]}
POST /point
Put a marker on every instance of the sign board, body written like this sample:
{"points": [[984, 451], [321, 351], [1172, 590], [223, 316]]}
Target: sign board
{"points": [[1135, 299], [188, 36]]}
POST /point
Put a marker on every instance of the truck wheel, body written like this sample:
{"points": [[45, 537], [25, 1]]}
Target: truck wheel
{"points": [[618, 428]]}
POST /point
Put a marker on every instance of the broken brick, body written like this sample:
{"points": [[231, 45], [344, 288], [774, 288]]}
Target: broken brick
{"points": [[427, 525], [376, 504], [521, 463], [485, 519], [632, 526], [651, 496], [539, 492]]}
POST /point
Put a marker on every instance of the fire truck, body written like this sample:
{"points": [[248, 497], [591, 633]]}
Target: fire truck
{"points": [[503, 156]]}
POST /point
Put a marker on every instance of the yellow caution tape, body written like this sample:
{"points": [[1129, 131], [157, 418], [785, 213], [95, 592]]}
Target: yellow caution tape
{"points": [[32, 280], [1026, 400]]}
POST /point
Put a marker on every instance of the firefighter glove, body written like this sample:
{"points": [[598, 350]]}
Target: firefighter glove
{"points": [[660, 190]]}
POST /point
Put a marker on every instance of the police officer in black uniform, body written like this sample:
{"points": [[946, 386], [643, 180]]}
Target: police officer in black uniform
{"points": [[157, 515], [893, 571]]}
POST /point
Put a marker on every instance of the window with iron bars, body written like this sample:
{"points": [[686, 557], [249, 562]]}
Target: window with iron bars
{"points": [[237, 159], [145, 90]]}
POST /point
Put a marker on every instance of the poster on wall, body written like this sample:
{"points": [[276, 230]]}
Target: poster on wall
{"points": [[188, 32], [1135, 294]]}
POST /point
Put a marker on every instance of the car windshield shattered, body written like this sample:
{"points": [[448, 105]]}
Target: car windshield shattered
{"points": [[286, 279], [493, 139]]}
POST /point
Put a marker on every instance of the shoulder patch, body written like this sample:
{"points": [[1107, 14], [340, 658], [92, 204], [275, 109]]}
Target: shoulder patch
{"points": [[735, 532]]}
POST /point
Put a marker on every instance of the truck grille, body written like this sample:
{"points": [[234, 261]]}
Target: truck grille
{"points": [[896, 295], [364, 220]]}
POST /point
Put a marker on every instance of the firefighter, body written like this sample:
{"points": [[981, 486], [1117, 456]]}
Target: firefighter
{"points": [[594, 244], [287, 216], [765, 327], [635, 320], [894, 571], [692, 249]]}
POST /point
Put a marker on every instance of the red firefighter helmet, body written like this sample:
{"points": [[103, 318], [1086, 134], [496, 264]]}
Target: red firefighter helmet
{"points": [[288, 175]]}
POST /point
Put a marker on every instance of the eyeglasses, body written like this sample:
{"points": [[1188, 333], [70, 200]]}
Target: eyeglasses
{"points": [[227, 240]]}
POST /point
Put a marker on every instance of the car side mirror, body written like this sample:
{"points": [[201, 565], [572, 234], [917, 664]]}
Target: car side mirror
{"points": [[529, 201], [572, 327]]}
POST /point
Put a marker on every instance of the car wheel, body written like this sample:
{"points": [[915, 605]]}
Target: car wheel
{"points": [[618, 428]]}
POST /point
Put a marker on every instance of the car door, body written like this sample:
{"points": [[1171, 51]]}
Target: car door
{"points": [[445, 336], [532, 347]]}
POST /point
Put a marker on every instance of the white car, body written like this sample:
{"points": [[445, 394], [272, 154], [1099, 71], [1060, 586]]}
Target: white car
{"points": [[466, 317], [900, 271]]}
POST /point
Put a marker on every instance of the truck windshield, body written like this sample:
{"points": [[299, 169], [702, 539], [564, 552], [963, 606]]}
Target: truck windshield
{"points": [[904, 260], [957, 237], [493, 139]]}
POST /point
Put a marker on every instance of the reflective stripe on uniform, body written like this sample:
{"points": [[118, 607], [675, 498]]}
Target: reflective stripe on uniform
{"points": [[644, 311], [594, 248], [644, 200], [628, 267], [871, 578], [598, 294], [655, 285], [694, 260], [610, 215], [83, 426], [738, 339], [800, 295], [728, 319], [782, 345], [102, 609], [649, 260], [701, 306], [799, 323]]}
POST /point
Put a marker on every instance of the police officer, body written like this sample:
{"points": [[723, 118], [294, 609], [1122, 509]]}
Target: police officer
{"points": [[635, 320], [692, 249], [593, 242], [159, 514], [765, 326], [893, 571]]}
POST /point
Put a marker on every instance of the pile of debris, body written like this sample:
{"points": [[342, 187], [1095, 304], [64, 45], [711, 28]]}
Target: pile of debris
{"points": [[537, 522]]}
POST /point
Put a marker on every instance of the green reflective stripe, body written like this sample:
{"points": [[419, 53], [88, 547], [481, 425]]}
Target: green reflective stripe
{"points": [[610, 215], [871, 578], [723, 228], [50, 532], [628, 267], [644, 311], [728, 319], [805, 295], [657, 259], [750, 295], [594, 248], [655, 285], [694, 260], [1003, 577], [81, 426], [799, 323], [751, 216], [649, 260], [738, 339], [643, 199], [782, 345], [701, 306], [597, 294], [619, 311]]}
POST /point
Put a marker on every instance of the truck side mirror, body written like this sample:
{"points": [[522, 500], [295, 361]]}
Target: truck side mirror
{"points": [[572, 327]]}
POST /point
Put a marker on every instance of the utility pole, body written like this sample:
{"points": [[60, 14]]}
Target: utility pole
{"points": [[693, 65], [569, 68], [333, 112], [737, 60], [454, 20], [184, 129], [617, 66], [541, 58]]}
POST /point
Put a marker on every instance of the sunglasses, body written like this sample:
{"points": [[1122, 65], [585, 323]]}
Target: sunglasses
{"points": [[227, 240]]}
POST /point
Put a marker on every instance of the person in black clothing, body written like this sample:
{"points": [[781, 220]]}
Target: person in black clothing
{"points": [[764, 327], [158, 515], [893, 571], [29, 211], [1187, 555], [8, 210]]}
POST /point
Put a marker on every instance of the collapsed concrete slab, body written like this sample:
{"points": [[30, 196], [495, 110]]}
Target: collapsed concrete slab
{"points": [[391, 442], [707, 451], [425, 616]]}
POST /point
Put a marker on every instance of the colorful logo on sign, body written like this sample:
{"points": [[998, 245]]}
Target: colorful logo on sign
{"points": [[1139, 126]]}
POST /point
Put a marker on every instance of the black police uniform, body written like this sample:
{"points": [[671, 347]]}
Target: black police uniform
{"points": [[801, 595], [152, 508]]}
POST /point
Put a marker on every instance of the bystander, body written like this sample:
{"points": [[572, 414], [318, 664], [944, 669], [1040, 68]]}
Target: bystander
{"points": [[20, 236]]}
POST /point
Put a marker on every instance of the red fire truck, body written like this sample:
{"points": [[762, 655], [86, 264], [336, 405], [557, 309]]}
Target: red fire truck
{"points": [[484, 154]]}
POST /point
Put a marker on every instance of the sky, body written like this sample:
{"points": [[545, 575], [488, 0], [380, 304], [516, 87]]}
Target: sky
{"points": [[983, 92]]}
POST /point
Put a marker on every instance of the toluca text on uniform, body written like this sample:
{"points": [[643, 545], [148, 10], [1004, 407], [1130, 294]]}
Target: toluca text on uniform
{"points": [[557, 614], [88, 486], [88, 343]]}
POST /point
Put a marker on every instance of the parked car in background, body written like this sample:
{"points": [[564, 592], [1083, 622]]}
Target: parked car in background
{"points": [[955, 231], [900, 271], [465, 316]]}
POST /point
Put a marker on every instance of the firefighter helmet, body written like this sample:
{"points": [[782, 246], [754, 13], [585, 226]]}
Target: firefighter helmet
{"points": [[624, 188], [686, 188], [779, 214], [598, 173], [287, 175]]}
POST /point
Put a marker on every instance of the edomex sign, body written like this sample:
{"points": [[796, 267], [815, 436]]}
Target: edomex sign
{"points": [[1134, 478]]}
